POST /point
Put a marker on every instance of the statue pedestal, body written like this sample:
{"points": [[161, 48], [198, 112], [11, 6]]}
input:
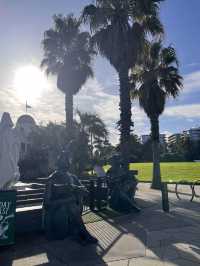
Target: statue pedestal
{"points": [[7, 217]]}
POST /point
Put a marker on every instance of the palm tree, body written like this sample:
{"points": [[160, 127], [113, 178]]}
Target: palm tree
{"points": [[119, 28], [68, 55], [94, 127], [158, 78]]}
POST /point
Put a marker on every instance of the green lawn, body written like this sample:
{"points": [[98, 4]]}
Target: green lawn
{"points": [[170, 171]]}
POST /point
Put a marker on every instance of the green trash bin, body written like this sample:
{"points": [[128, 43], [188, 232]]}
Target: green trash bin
{"points": [[7, 217]]}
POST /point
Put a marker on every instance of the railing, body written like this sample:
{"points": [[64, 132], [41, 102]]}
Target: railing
{"points": [[164, 189], [96, 198], [98, 193]]}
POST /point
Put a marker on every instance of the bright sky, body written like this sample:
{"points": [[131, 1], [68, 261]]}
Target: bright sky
{"points": [[22, 24]]}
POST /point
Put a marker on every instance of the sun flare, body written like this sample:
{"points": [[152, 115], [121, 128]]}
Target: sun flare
{"points": [[29, 82]]}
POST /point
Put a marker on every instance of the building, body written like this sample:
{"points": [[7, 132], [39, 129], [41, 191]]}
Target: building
{"points": [[175, 138], [193, 134], [163, 139]]}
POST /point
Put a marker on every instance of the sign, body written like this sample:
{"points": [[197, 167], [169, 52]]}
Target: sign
{"points": [[7, 217]]}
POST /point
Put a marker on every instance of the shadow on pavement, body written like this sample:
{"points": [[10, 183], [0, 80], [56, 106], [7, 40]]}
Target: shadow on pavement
{"points": [[35, 250], [172, 237]]}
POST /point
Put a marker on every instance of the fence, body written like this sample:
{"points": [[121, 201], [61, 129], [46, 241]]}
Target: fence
{"points": [[165, 191], [96, 198]]}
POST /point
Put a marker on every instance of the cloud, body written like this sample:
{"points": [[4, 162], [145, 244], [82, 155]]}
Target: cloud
{"points": [[9, 102], [194, 64], [192, 82], [187, 111], [95, 97], [48, 107], [92, 98]]}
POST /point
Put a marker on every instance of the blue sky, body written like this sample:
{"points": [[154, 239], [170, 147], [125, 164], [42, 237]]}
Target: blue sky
{"points": [[22, 24]]}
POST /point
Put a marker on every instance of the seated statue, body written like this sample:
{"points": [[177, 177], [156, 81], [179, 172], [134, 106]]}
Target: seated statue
{"points": [[63, 205], [122, 187]]}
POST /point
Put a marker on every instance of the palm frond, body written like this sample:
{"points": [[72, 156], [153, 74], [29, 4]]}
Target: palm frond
{"points": [[67, 53], [158, 78], [95, 16], [169, 56]]}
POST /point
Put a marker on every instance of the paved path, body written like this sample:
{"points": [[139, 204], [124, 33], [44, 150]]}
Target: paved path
{"points": [[149, 238]]}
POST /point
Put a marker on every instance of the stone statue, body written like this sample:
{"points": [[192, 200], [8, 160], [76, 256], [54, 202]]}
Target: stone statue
{"points": [[62, 205], [122, 187], [10, 147], [9, 152]]}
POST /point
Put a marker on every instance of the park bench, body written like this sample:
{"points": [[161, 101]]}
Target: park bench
{"points": [[29, 201]]}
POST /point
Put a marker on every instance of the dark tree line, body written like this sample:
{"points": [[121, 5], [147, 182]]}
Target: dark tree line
{"points": [[90, 146], [184, 150]]}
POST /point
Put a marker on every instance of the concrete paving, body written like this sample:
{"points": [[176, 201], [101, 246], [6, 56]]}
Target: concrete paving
{"points": [[149, 238]]}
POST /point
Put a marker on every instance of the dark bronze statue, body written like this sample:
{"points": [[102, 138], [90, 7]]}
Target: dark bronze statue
{"points": [[122, 187], [63, 205]]}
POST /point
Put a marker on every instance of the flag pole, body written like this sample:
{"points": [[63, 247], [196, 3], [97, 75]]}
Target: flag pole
{"points": [[27, 106]]}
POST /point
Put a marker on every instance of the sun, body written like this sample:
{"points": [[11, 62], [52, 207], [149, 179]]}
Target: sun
{"points": [[29, 83]]}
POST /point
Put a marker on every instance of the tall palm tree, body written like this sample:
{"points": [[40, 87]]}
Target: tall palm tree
{"points": [[68, 55], [119, 29], [158, 78]]}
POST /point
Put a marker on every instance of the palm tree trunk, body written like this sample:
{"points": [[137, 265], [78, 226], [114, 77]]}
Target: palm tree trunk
{"points": [[156, 182], [69, 115], [125, 116]]}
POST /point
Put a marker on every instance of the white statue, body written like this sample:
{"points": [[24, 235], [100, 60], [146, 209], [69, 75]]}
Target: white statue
{"points": [[9, 152], [10, 147]]}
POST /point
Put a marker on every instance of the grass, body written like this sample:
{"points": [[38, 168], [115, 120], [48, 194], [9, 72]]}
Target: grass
{"points": [[189, 171], [173, 172]]}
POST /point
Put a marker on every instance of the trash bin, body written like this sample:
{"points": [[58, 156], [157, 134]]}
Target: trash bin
{"points": [[7, 217]]}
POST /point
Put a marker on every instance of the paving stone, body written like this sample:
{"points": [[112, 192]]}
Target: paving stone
{"points": [[127, 246], [145, 262], [118, 263], [40, 259], [169, 253], [159, 238], [150, 238], [154, 253], [88, 263], [165, 253], [181, 262], [190, 253]]}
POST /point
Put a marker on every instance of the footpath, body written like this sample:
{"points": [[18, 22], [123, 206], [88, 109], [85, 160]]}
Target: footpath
{"points": [[149, 238]]}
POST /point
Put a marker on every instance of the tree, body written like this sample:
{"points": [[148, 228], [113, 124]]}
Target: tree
{"points": [[52, 139], [119, 29], [46, 144], [135, 148], [158, 78], [147, 151], [191, 149], [94, 127], [68, 55]]}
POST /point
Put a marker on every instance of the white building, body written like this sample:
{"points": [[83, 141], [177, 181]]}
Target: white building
{"points": [[193, 134]]}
